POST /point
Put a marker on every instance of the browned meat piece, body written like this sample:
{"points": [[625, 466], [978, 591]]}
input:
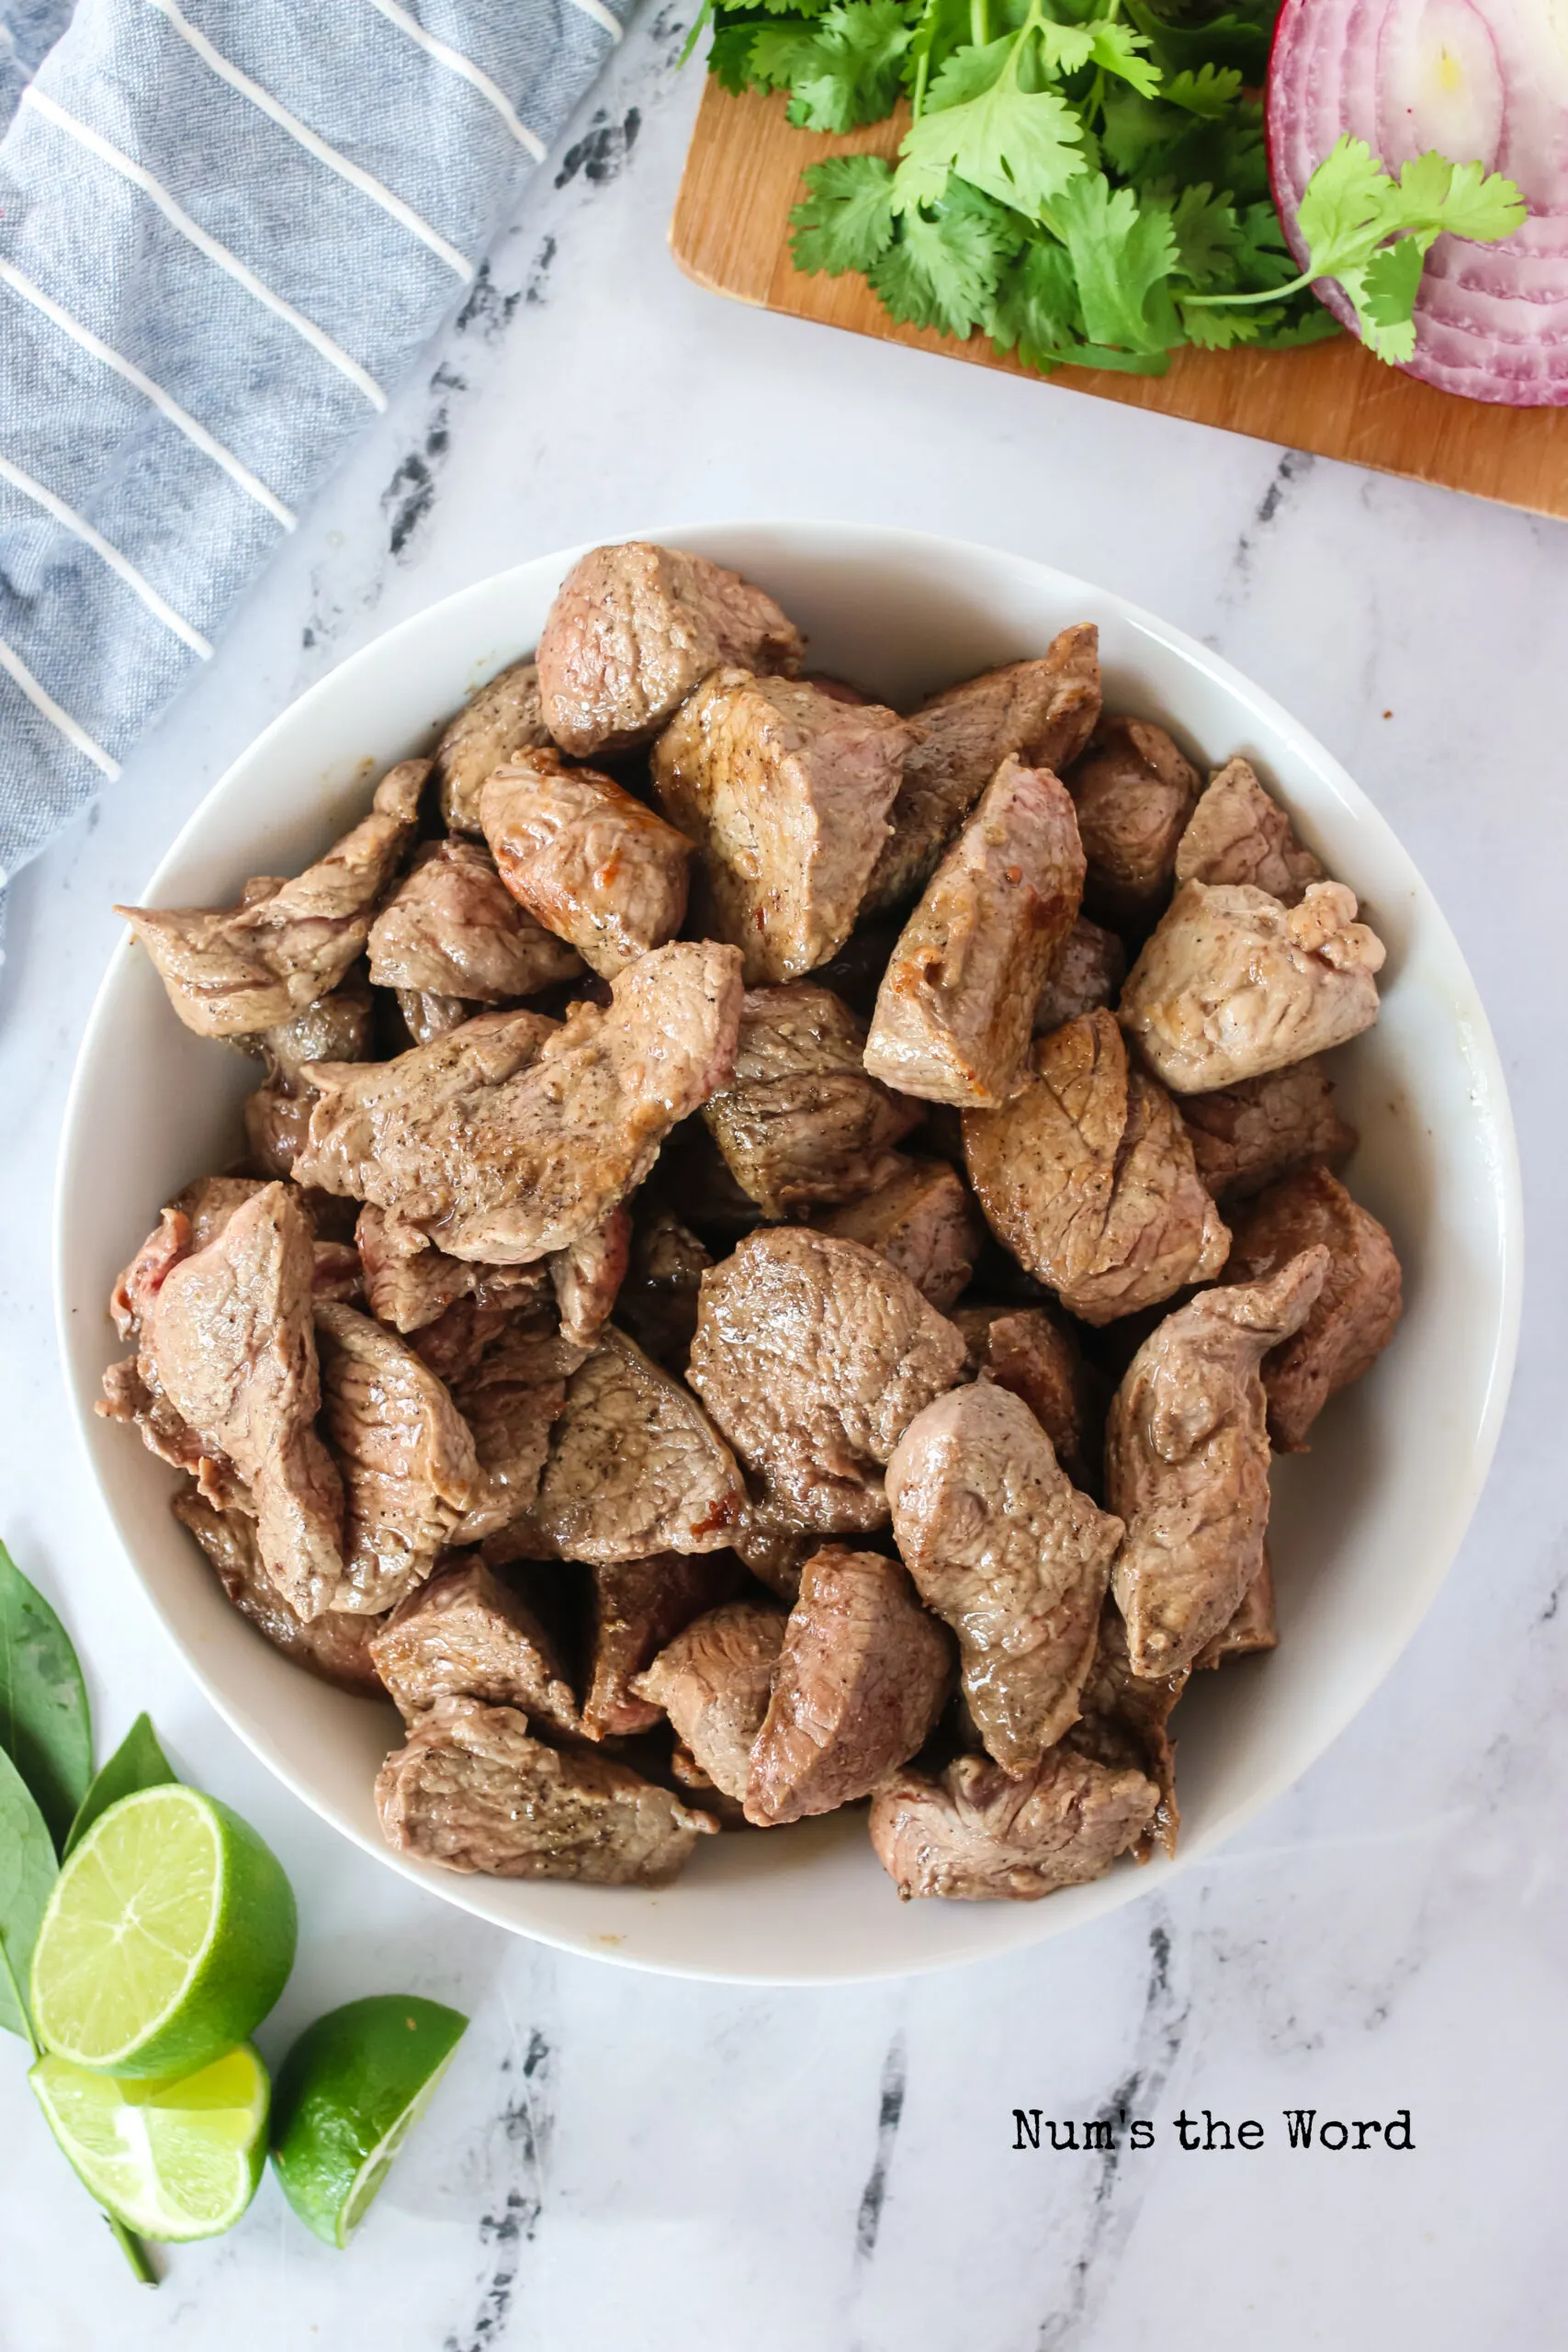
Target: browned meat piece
{"points": [[232, 971], [588, 861], [406, 1455], [1240, 834], [332, 1645], [1043, 711], [427, 1014], [1253, 1629], [658, 1297], [413, 1289], [694, 1785], [1357, 1309], [139, 1283], [492, 1159], [1028, 1351], [336, 1028], [504, 720], [635, 1465], [634, 628], [339, 1275], [466, 1634], [227, 1340], [785, 794], [1186, 1461], [1243, 1137], [128, 1397], [712, 1681], [1002, 1544], [774, 1555], [1088, 1178], [459, 1337], [1125, 1721], [1090, 966], [511, 1399], [471, 1790], [922, 1220], [979, 1836], [840, 688], [1134, 793], [955, 1010], [863, 1677], [814, 1355], [1232, 984], [211, 1201], [453, 929], [800, 1121], [587, 1276], [277, 1125], [639, 1606]]}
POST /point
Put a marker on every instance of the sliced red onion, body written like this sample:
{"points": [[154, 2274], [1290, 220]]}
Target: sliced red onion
{"points": [[1483, 80]]}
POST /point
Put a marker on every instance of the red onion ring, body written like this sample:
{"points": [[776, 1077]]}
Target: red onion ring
{"points": [[1476, 79]]}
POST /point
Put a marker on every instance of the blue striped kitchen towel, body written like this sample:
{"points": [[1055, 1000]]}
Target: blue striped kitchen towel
{"points": [[226, 230]]}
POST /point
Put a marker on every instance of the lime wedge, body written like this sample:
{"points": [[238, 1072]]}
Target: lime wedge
{"points": [[168, 1937], [171, 2159], [347, 2094]]}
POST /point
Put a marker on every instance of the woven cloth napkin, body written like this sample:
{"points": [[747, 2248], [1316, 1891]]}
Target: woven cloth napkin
{"points": [[227, 229]]}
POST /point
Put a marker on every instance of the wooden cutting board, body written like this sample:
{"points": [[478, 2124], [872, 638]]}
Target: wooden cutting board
{"points": [[732, 233]]}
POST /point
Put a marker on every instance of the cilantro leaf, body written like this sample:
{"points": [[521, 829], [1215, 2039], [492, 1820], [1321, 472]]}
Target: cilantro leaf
{"points": [[1036, 310], [772, 7], [1463, 199], [1211, 92], [943, 268], [846, 219], [1209, 239], [1384, 291], [1117, 49], [1221, 330], [944, 27], [847, 72], [1021, 146], [1064, 49], [1122, 254], [730, 58], [1239, 36], [1345, 210], [778, 52]]}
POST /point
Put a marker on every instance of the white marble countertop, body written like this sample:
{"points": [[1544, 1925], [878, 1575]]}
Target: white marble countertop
{"points": [[618, 2159]]}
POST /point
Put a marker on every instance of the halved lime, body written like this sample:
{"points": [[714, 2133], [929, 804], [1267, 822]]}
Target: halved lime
{"points": [[346, 2096], [168, 1937], [171, 2159]]}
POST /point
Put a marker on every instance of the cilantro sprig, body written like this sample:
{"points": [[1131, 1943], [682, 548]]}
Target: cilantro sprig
{"points": [[1084, 181]]}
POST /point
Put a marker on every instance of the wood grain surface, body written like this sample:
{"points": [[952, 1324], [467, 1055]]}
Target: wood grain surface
{"points": [[732, 233]]}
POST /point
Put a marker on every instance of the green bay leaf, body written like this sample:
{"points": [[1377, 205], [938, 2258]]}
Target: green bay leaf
{"points": [[44, 1725]]}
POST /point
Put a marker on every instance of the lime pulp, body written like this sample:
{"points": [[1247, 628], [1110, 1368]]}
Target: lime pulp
{"points": [[173, 2160]]}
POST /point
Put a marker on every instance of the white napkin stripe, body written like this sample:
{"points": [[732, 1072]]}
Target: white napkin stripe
{"points": [[313, 144], [602, 15], [78, 524], [456, 62], [197, 434], [43, 701]]}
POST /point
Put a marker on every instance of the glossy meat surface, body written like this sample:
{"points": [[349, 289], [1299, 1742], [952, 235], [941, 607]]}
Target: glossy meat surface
{"points": [[801, 1121], [593, 864], [980, 1835], [714, 1681], [453, 929], [465, 1633]]}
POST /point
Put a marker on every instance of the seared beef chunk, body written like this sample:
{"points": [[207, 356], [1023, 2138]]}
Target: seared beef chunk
{"points": [[453, 929], [955, 1010], [634, 628], [588, 861], [492, 1159], [714, 1681], [338, 1274], [1088, 1178], [863, 1677], [1238, 833], [639, 1607], [1088, 970], [659, 1297], [276, 1125], [922, 1220], [587, 1276], [1232, 984], [336, 1028], [814, 1355], [978, 1835], [694, 1785], [471, 1790], [800, 1121], [1186, 1461], [1357, 1309], [774, 1553], [406, 1455], [786, 793], [459, 1337], [227, 1340], [1134, 793], [1125, 1721], [1253, 1629], [504, 720], [231, 971], [634, 1466], [332, 1645], [1243, 1137], [427, 1014], [1002, 1545], [1029, 1351], [511, 1399], [413, 1290], [1043, 711], [138, 1284], [465, 1634]]}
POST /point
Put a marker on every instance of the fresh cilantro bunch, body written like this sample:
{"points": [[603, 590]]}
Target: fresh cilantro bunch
{"points": [[1084, 181]]}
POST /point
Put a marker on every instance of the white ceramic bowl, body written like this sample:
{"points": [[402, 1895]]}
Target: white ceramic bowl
{"points": [[1364, 1527]]}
